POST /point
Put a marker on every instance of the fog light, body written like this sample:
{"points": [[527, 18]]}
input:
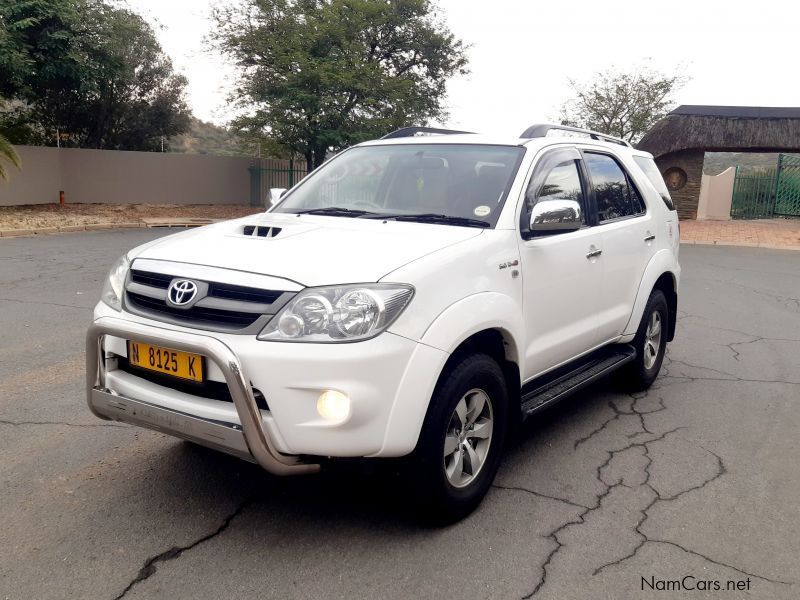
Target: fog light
{"points": [[333, 405]]}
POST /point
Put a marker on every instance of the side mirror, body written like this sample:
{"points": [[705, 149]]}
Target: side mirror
{"points": [[555, 216], [274, 195]]}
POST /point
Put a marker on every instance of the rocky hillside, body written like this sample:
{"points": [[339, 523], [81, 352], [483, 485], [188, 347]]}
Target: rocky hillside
{"points": [[717, 162], [208, 138]]}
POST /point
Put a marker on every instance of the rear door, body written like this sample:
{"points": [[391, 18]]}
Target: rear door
{"points": [[561, 275], [628, 239]]}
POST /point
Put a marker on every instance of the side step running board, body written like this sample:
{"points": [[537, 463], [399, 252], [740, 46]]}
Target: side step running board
{"points": [[562, 382]]}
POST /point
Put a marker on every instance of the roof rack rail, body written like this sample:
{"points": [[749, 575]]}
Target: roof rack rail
{"points": [[413, 131], [541, 130]]}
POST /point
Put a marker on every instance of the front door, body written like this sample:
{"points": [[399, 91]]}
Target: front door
{"points": [[561, 271]]}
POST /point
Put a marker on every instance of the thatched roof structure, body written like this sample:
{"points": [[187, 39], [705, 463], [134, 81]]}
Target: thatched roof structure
{"points": [[725, 129]]}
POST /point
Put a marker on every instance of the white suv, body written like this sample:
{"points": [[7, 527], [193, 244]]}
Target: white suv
{"points": [[414, 296]]}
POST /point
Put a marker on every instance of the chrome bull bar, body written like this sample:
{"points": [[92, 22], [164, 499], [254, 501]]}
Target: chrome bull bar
{"points": [[255, 435]]}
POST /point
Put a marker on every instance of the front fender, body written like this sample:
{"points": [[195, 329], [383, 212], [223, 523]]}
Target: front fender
{"points": [[662, 262], [478, 312]]}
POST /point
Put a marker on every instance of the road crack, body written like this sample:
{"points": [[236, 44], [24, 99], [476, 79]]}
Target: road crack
{"points": [[730, 376], [659, 498], [581, 518], [538, 494], [150, 565], [736, 353], [61, 423], [40, 302], [599, 429], [785, 300], [618, 413]]}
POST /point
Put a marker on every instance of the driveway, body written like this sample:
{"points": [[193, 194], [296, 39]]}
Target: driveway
{"points": [[605, 496]]}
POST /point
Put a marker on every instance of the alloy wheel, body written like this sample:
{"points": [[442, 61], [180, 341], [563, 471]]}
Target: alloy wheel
{"points": [[468, 438], [652, 340]]}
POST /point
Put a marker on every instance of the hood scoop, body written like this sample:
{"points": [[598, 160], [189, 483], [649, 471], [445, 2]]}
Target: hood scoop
{"points": [[261, 231], [267, 227]]}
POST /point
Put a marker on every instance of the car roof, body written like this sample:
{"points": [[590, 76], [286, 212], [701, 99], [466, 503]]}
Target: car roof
{"points": [[496, 140], [466, 138]]}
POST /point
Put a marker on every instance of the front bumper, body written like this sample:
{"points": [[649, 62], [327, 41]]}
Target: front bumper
{"points": [[389, 380], [249, 439]]}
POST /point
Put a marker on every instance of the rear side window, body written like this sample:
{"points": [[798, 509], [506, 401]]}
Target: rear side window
{"points": [[648, 166], [615, 196]]}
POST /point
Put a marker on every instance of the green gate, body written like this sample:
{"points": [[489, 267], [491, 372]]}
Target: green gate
{"points": [[268, 173], [787, 194], [767, 194]]}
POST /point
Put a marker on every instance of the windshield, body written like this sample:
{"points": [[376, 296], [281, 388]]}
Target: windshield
{"points": [[456, 183]]}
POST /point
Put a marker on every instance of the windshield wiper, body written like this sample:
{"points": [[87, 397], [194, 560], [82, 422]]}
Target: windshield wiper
{"points": [[335, 211], [435, 218]]}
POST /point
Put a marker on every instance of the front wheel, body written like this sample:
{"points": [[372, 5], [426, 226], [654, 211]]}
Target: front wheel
{"points": [[650, 343], [462, 439]]}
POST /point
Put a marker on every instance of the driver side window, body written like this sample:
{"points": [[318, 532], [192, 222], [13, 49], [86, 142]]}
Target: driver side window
{"points": [[562, 182], [555, 196]]}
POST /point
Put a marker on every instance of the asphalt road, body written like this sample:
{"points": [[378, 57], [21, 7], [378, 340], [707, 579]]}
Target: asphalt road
{"points": [[699, 477]]}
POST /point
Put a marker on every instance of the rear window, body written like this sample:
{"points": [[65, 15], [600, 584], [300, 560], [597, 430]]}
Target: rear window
{"points": [[654, 175]]}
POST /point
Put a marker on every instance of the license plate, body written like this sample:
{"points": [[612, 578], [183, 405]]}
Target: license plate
{"points": [[163, 360]]}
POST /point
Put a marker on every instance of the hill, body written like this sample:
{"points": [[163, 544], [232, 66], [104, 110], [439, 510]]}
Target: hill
{"points": [[716, 162], [207, 138]]}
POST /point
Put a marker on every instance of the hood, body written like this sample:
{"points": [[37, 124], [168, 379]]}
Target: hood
{"points": [[308, 249]]}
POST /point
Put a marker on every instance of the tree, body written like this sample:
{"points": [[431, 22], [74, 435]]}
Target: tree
{"points": [[7, 154], [89, 72], [319, 75], [136, 99], [622, 104]]}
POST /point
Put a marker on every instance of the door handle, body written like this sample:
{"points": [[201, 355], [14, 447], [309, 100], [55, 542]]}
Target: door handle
{"points": [[594, 253], [649, 238]]}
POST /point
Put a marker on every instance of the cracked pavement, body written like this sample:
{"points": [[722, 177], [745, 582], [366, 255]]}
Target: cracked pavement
{"points": [[698, 476]]}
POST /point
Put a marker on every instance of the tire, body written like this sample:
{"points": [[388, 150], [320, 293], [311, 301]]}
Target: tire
{"points": [[471, 397], [640, 374]]}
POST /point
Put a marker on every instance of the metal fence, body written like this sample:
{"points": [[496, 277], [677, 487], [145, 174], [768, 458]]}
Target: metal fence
{"points": [[787, 194], [268, 173], [767, 194]]}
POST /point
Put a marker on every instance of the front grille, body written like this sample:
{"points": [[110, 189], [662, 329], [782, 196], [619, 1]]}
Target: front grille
{"points": [[156, 280], [211, 390], [210, 316], [245, 294], [221, 306]]}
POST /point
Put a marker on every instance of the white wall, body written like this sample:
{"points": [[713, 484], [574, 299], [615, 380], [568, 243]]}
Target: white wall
{"points": [[716, 195]]}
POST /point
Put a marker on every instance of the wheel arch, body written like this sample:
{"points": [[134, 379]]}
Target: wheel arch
{"points": [[487, 322], [474, 318], [661, 273], [499, 344], [667, 284]]}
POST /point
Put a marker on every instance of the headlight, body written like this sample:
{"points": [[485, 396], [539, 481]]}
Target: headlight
{"points": [[338, 313], [112, 288]]}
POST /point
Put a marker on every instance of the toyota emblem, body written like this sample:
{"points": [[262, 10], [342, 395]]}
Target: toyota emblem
{"points": [[181, 292]]}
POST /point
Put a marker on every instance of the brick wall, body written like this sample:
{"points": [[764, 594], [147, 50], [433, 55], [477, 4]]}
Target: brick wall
{"points": [[691, 162]]}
